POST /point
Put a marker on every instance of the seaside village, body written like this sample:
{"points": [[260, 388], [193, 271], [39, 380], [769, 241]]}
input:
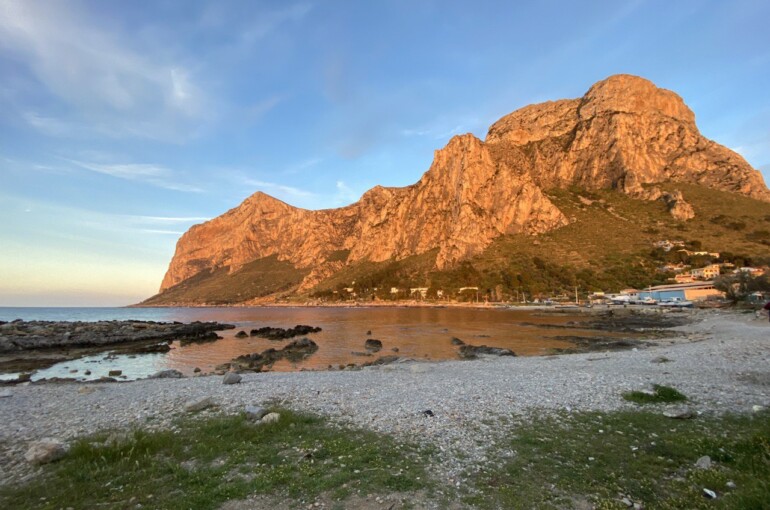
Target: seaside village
{"points": [[690, 284]]}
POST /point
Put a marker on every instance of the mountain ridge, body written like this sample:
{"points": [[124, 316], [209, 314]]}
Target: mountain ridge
{"points": [[624, 133]]}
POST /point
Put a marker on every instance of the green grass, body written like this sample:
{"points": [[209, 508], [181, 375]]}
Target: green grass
{"points": [[596, 459], [660, 395], [204, 462]]}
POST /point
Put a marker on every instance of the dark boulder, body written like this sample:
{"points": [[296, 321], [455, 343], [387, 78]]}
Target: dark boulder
{"points": [[473, 351], [372, 345]]}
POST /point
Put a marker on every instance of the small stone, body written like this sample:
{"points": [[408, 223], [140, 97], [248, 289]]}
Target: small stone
{"points": [[703, 462], [231, 378], [731, 485], [196, 370], [757, 409], [627, 502], [709, 493], [241, 334], [87, 372], [167, 374], [683, 413], [86, 390], [270, 418], [255, 413], [199, 404], [114, 373], [45, 451], [638, 506]]}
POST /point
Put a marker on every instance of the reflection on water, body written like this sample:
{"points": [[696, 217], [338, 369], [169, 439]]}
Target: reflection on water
{"points": [[422, 333]]}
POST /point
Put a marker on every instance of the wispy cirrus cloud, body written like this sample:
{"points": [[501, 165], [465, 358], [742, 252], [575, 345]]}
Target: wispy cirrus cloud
{"points": [[277, 187], [99, 74], [155, 175]]}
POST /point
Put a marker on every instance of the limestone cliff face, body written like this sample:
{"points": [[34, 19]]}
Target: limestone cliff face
{"points": [[625, 133]]}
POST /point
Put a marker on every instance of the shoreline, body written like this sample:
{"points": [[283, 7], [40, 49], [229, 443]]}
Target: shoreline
{"points": [[721, 361]]}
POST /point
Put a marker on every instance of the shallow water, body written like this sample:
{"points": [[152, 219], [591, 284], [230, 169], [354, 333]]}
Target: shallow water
{"points": [[420, 333]]}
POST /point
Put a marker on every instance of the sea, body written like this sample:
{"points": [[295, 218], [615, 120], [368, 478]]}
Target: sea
{"points": [[423, 333]]}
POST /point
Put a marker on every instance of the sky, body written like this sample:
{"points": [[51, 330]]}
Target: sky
{"points": [[124, 123]]}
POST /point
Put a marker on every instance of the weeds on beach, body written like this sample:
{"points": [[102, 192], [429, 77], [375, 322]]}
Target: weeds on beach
{"points": [[618, 459], [659, 395], [201, 463]]}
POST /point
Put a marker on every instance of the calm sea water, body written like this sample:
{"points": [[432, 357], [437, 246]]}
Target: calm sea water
{"points": [[422, 333]]}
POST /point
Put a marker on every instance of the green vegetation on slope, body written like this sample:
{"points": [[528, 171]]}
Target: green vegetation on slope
{"points": [[256, 279], [607, 246], [206, 462], [596, 460]]}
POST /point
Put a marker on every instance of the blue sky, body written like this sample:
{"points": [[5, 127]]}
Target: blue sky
{"points": [[123, 123]]}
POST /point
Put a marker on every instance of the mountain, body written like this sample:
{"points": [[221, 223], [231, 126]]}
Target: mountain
{"points": [[625, 135]]}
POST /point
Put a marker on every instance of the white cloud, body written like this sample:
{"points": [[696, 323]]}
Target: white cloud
{"points": [[96, 72], [161, 220], [275, 187], [345, 194], [269, 21], [155, 175]]}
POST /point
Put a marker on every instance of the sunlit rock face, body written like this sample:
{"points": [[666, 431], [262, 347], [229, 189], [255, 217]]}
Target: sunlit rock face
{"points": [[624, 133]]}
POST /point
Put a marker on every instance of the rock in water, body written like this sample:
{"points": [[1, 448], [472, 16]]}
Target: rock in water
{"points": [[372, 345], [472, 351], [231, 378], [45, 451]]}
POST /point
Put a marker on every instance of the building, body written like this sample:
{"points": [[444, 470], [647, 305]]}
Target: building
{"points": [[696, 291], [422, 291], [705, 273]]}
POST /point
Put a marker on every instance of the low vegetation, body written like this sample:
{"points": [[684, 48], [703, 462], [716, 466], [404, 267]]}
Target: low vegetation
{"points": [[607, 246], [205, 462], [614, 460], [659, 395]]}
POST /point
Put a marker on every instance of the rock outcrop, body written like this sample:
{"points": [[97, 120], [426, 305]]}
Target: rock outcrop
{"points": [[624, 133]]}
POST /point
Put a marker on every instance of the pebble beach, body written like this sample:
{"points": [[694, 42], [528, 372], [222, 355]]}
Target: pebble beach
{"points": [[721, 361]]}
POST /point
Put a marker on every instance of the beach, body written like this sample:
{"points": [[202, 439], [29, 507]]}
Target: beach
{"points": [[721, 361]]}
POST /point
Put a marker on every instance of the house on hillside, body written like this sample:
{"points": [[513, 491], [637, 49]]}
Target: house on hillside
{"points": [[667, 245], [422, 291], [751, 271], [706, 273], [683, 278]]}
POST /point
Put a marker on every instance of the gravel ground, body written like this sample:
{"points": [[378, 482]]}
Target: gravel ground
{"points": [[721, 361]]}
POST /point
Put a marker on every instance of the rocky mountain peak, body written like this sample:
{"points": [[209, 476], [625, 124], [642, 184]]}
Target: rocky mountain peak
{"points": [[625, 93], [624, 133]]}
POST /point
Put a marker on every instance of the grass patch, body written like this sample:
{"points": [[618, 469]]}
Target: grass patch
{"points": [[597, 459], [659, 395], [202, 463]]}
